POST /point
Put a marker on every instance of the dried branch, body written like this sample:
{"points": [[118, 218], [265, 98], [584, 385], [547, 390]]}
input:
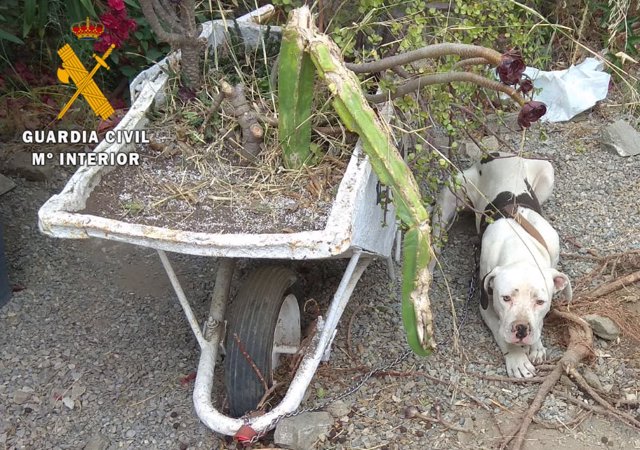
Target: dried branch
{"points": [[252, 131], [214, 107], [562, 425], [428, 52], [446, 77], [579, 348], [616, 284], [470, 62], [172, 36], [168, 16], [411, 412], [582, 383]]}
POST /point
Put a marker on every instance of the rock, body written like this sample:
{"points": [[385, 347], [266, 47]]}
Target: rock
{"points": [[603, 327], [591, 378], [621, 137], [97, 442], [488, 144], [338, 409], [68, 402], [300, 432], [20, 164], [21, 397], [77, 391], [502, 123], [6, 184]]}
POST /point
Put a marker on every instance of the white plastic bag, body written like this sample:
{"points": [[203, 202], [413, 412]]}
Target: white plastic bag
{"points": [[569, 92]]}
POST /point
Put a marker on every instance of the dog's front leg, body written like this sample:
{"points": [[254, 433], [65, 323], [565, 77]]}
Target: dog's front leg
{"points": [[537, 353]]}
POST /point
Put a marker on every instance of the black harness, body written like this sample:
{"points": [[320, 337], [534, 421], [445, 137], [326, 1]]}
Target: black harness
{"points": [[505, 206]]}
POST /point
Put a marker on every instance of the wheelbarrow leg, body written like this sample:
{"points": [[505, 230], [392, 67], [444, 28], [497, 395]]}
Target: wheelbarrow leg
{"points": [[191, 317]]}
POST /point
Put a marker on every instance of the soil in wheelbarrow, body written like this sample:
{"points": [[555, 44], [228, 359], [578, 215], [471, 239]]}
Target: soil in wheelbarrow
{"points": [[192, 173]]}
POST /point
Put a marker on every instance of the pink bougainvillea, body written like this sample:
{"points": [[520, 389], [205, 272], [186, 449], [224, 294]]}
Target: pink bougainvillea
{"points": [[117, 26]]}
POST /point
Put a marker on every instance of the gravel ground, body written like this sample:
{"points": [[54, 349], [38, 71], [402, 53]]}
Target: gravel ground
{"points": [[95, 350]]}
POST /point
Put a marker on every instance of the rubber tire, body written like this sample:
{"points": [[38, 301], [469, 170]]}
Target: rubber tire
{"points": [[252, 317]]}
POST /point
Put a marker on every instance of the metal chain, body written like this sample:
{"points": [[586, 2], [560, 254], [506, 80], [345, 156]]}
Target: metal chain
{"points": [[473, 285], [473, 289]]}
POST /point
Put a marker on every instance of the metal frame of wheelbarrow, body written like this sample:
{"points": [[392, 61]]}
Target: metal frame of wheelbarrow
{"points": [[359, 227], [212, 335]]}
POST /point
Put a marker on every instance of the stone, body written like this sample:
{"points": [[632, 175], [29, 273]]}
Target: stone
{"points": [[97, 442], [603, 327], [338, 409], [591, 378], [503, 123], [20, 164], [488, 144], [491, 143], [6, 184], [21, 397], [302, 431], [622, 138]]}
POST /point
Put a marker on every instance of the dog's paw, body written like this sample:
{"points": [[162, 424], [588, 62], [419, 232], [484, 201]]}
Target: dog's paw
{"points": [[537, 353], [519, 366]]}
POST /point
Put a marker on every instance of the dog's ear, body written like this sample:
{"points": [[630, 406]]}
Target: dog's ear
{"points": [[562, 283], [487, 289]]}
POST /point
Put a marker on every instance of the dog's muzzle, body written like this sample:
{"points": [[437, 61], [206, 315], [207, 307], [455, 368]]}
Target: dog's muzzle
{"points": [[521, 330]]}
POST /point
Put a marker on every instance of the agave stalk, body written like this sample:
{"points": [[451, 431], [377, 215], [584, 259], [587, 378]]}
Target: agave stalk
{"points": [[388, 164], [295, 97]]}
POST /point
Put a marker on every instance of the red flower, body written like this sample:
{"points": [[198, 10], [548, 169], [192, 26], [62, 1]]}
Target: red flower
{"points": [[117, 26], [511, 67], [117, 5], [531, 112], [105, 42]]}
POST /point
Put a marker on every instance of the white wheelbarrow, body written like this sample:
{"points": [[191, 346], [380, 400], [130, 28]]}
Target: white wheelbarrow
{"points": [[264, 318]]}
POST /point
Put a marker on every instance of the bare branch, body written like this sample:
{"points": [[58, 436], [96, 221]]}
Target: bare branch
{"points": [[446, 77], [618, 283], [156, 26], [168, 15], [470, 62], [428, 52]]}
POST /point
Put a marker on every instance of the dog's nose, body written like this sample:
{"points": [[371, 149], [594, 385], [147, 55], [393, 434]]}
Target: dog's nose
{"points": [[521, 330]]}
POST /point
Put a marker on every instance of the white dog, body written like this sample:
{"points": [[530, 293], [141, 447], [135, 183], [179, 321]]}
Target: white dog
{"points": [[520, 251]]}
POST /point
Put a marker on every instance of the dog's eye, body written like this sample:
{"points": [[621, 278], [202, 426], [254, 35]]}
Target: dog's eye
{"points": [[539, 302], [506, 298]]}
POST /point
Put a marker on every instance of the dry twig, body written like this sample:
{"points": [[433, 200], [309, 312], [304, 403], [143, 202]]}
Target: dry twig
{"points": [[252, 131], [579, 348], [616, 284]]}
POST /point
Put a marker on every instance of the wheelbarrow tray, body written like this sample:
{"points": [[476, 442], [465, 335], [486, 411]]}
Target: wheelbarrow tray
{"points": [[357, 218]]}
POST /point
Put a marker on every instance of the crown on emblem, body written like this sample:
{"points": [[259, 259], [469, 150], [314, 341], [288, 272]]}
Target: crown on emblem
{"points": [[87, 29]]}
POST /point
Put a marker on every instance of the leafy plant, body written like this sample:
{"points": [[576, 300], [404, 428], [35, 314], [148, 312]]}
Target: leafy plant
{"points": [[20, 19]]}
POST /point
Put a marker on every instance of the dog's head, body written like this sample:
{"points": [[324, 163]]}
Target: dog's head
{"points": [[521, 294]]}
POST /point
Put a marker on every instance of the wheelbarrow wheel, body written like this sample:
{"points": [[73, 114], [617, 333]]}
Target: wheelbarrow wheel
{"points": [[255, 319]]}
